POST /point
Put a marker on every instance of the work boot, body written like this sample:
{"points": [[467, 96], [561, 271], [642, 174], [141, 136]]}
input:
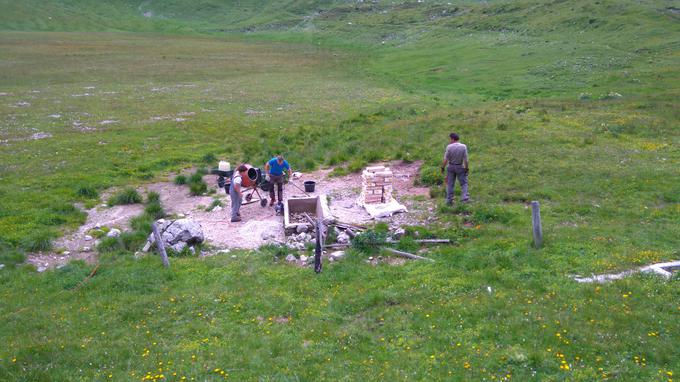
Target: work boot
{"points": [[236, 219]]}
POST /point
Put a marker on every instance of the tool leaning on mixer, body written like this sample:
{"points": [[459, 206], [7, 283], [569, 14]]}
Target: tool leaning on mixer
{"points": [[251, 183]]}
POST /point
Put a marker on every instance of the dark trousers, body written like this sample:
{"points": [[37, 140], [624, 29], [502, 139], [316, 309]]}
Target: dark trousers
{"points": [[278, 181], [456, 171]]}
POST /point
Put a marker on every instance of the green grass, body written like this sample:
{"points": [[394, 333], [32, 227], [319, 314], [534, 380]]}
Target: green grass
{"points": [[125, 196], [120, 99]]}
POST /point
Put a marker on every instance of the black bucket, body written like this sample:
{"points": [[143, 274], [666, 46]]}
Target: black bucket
{"points": [[309, 185]]}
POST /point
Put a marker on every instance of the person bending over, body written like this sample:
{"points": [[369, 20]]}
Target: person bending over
{"points": [[275, 169]]}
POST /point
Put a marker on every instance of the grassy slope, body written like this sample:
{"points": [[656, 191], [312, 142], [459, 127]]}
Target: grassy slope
{"points": [[507, 75]]}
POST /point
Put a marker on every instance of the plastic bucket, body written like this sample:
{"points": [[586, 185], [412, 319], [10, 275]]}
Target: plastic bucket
{"points": [[309, 185]]}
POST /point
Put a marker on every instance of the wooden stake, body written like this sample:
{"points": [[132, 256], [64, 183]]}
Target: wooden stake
{"points": [[536, 223], [160, 245]]}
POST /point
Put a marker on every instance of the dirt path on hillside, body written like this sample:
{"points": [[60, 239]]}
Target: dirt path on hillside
{"points": [[259, 226]]}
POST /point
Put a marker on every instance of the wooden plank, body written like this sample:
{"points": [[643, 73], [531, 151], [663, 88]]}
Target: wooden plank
{"points": [[406, 254], [160, 245]]}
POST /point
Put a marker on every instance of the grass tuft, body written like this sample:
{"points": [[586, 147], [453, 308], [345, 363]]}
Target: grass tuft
{"points": [[87, 192], [39, 241], [126, 196], [180, 180]]}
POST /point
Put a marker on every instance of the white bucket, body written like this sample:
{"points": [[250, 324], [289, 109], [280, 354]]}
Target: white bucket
{"points": [[224, 166]]}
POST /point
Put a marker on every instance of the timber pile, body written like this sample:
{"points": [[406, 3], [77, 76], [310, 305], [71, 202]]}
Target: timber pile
{"points": [[376, 185]]}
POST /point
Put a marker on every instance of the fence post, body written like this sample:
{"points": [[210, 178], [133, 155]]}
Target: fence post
{"points": [[160, 245], [536, 223]]}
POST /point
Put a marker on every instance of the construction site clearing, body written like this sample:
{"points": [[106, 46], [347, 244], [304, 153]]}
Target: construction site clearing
{"points": [[346, 200]]}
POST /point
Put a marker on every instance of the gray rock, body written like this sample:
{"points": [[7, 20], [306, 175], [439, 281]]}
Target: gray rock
{"points": [[2, 266], [97, 226], [192, 250], [88, 237], [182, 230], [97, 242], [223, 251], [113, 233], [301, 228], [303, 258], [66, 253], [179, 246], [343, 238], [217, 209], [399, 232], [337, 255], [41, 269], [86, 249], [291, 258]]}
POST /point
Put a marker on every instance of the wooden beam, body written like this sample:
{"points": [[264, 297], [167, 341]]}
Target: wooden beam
{"points": [[406, 254]]}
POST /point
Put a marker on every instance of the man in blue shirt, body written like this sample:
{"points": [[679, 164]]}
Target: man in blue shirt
{"points": [[275, 169]]}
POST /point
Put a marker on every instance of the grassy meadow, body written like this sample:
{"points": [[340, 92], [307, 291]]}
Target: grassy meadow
{"points": [[574, 104]]}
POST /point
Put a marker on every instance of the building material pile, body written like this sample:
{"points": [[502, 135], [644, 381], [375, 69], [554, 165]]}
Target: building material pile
{"points": [[377, 185]]}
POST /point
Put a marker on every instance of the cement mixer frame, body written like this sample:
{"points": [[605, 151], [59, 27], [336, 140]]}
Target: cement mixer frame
{"points": [[251, 184]]}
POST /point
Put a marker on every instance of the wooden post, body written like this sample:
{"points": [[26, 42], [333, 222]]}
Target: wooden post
{"points": [[160, 245], [536, 223]]}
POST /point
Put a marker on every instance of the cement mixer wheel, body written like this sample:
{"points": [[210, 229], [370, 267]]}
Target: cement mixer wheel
{"points": [[249, 197], [263, 203]]}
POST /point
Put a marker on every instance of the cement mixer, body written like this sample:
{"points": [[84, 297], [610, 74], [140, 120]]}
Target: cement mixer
{"points": [[251, 184]]}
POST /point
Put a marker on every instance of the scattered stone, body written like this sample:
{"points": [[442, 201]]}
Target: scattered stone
{"points": [[337, 255], [303, 258], [86, 249], [88, 238], [97, 242], [370, 258], [139, 254], [41, 269], [223, 251], [217, 209], [291, 258], [2, 266], [399, 232], [343, 238], [233, 256], [192, 250], [97, 226], [301, 228], [66, 253], [115, 232]]}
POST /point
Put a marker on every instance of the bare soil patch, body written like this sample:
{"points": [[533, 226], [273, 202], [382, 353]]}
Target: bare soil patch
{"points": [[260, 225]]}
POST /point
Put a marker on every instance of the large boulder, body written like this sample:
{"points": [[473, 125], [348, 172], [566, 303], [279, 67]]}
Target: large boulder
{"points": [[181, 230], [178, 234]]}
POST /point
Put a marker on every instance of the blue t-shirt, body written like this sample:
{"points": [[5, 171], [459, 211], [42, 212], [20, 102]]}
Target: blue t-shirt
{"points": [[277, 169]]}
